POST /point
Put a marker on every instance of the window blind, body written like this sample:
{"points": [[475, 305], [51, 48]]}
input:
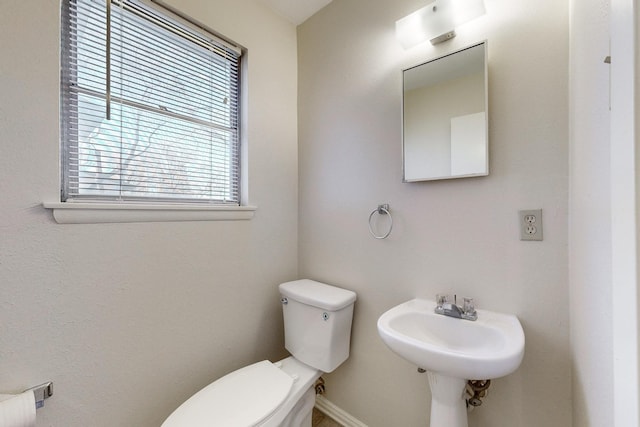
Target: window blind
{"points": [[150, 106]]}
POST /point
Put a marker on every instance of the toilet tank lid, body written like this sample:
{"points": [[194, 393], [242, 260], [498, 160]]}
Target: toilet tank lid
{"points": [[318, 294]]}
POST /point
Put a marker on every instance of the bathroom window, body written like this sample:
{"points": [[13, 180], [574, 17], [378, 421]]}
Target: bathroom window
{"points": [[149, 107]]}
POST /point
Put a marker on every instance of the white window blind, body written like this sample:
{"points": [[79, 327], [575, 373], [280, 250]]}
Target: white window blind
{"points": [[150, 106]]}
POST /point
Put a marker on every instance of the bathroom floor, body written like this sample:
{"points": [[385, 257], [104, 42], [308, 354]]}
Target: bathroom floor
{"points": [[321, 420]]}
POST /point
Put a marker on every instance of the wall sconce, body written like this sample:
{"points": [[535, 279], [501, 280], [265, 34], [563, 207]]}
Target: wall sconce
{"points": [[437, 21]]}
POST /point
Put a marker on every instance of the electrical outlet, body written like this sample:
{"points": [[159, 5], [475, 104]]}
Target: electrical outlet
{"points": [[530, 224]]}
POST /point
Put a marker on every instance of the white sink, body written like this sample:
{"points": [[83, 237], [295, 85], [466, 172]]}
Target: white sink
{"points": [[452, 351], [490, 347]]}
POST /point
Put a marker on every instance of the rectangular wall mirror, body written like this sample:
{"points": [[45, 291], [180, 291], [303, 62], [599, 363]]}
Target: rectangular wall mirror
{"points": [[445, 117]]}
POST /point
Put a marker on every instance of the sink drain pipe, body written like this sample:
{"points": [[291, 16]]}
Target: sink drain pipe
{"points": [[475, 391]]}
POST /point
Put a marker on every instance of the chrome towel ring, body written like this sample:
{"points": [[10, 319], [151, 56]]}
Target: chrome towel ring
{"points": [[381, 210]]}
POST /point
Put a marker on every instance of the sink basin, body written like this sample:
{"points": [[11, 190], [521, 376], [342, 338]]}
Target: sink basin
{"points": [[490, 347]]}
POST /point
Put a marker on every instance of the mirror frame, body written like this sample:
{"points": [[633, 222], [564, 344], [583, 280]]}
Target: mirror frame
{"points": [[486, 110]]}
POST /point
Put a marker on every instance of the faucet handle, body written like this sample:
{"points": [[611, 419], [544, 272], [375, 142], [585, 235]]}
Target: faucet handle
{"points": [[441, 299], [469, 309], [468, 305]]}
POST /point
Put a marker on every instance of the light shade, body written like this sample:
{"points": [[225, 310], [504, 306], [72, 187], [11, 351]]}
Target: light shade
{"points": [[436, 21]]}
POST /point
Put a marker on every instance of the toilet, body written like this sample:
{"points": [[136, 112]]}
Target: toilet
{"points": [[317, 333]]}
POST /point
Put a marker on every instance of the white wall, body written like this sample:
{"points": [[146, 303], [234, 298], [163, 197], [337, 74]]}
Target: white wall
{"points": [[590, 215], [128, 320], [454, 236], [625, 204]]}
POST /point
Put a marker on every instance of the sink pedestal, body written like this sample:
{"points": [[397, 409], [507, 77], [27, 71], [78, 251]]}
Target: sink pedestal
{"points": [[448, 407]]}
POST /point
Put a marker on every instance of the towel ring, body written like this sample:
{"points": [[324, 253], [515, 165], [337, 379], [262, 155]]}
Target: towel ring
{"points": [[382, 210]]}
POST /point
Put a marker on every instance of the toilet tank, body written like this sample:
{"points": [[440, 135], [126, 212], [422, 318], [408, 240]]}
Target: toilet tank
{"points": [[317, 322]]}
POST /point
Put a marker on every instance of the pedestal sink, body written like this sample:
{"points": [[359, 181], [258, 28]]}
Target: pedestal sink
{"points": [[452, 351]]}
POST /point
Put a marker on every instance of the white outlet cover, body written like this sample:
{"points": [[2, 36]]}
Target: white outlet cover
{"points": [[530, 223]]}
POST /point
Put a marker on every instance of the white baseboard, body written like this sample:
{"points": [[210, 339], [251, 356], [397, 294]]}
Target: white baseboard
{"points": [[339, 415]]}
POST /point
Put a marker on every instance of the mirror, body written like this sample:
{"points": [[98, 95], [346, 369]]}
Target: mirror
{"points": [[445, 117]]}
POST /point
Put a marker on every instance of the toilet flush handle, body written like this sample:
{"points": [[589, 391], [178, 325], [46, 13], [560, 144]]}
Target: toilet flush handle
{"points": [[284, 301]]}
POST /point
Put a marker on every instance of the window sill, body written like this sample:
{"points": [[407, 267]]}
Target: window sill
{"points": [[98, 213]]}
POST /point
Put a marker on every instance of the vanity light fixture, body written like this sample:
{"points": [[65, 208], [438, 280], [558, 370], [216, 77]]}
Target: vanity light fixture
{"points": [[437, 21]]}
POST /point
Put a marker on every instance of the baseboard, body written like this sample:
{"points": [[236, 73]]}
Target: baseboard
{"points": [[339, 415]]}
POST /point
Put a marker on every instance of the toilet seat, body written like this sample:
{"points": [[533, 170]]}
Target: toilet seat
{"points": [[242, 398]]}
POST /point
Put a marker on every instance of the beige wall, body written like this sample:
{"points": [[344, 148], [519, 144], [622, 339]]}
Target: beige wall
{"points": [[128, 320], [454, 236]]}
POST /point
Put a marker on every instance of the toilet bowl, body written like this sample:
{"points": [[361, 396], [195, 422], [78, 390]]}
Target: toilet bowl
{"points": [[264, 394], [317, 320]]}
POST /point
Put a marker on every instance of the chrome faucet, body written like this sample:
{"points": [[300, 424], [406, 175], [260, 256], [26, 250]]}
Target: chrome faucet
{"points": [[467, 311]]}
